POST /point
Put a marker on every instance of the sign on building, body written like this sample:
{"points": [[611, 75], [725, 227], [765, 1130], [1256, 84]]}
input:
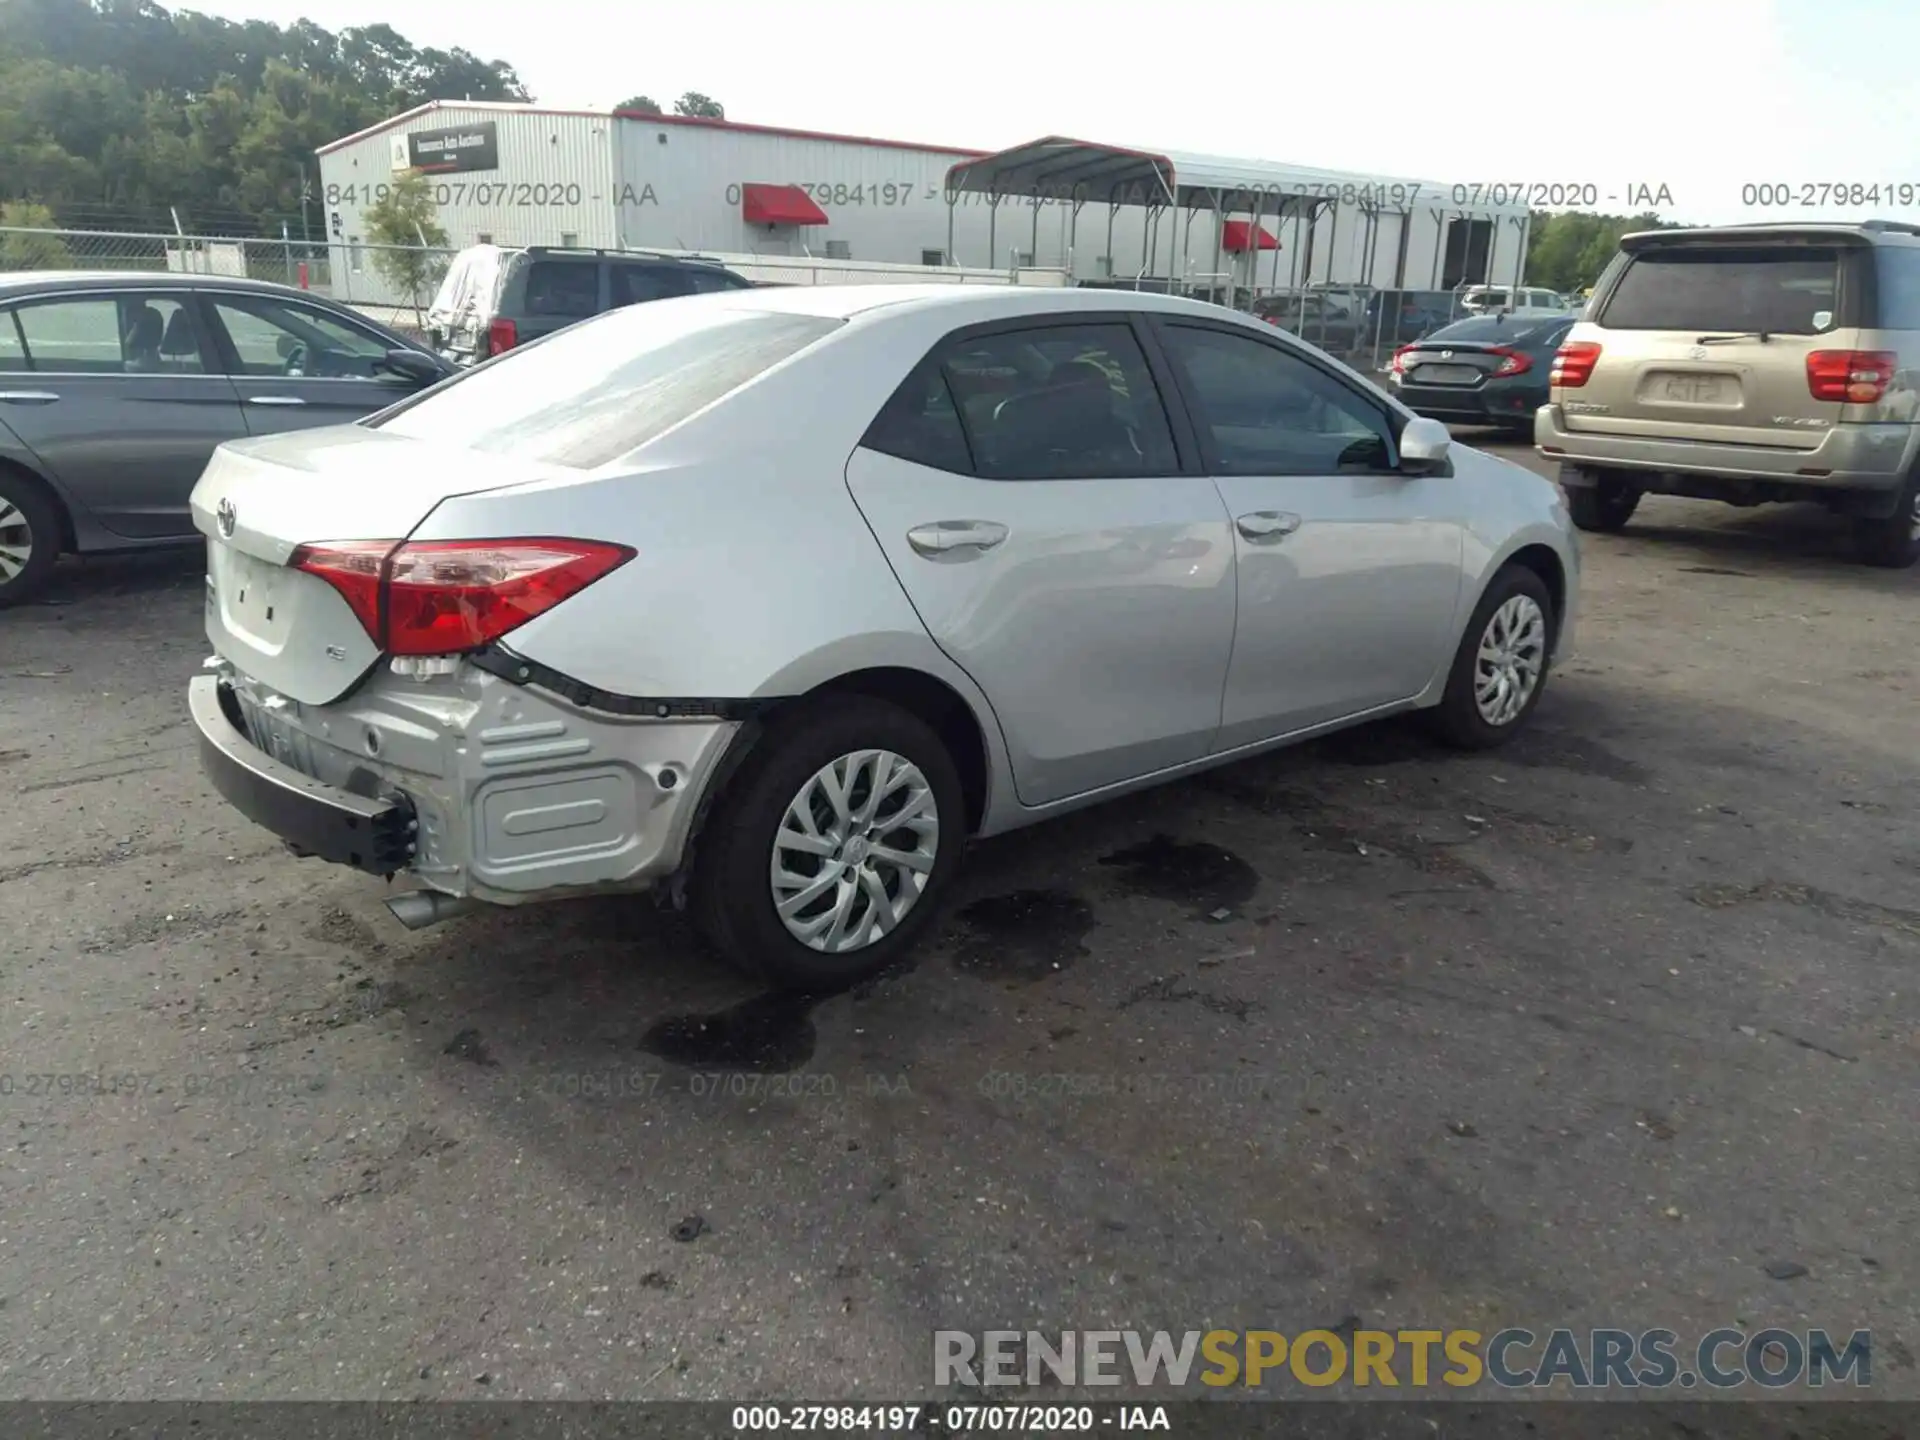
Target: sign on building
{"points": [[467, 147]]}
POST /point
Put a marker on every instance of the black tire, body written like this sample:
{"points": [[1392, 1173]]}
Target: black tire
{"points": [[1892, 542], [1457, 719], [1603, 505], [730, 895], [30, 520]]}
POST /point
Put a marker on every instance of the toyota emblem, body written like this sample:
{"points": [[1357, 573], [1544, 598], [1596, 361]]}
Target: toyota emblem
{"points": [[1446, 354], [227, 518]]}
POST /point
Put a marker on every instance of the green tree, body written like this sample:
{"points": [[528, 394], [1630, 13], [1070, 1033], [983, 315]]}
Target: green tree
{"points": [[411, 254], [701, 107], [28, 251], [645, 104], [116, 114], [1567, 250]]}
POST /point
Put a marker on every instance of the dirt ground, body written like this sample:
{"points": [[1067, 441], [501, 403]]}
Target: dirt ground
{"points": [[1606, 1030]]}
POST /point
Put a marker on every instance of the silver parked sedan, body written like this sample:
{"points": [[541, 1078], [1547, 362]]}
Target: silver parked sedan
{"points": [[774, 598]]}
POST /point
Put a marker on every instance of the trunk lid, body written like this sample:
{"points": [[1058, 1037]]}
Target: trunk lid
{"points": [[1460, 363], [260, 500]]}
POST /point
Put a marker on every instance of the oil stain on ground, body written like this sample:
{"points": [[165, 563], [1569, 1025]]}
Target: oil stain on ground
{"points": [[767, 1035], [1023, 936], [1187, 872]]}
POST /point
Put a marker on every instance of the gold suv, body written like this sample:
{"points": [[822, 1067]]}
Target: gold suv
{"points": [[1749, 364]]}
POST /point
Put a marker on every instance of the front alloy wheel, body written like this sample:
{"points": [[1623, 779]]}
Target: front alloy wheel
{"points": [[1500, 669], [1511, 659], [854, 851]]}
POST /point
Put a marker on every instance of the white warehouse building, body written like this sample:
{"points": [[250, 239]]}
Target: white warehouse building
{"points": [[527, 175]]}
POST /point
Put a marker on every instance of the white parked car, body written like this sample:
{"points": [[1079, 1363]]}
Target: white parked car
{"points": [[774, 598], [1527, 300]]}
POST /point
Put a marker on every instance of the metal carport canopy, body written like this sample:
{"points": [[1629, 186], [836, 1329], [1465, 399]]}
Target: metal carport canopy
{"points": [[1059, 167]]}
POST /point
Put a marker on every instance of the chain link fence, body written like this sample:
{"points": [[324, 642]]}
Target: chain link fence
{"points": [[1360, 324], [396, 283]]}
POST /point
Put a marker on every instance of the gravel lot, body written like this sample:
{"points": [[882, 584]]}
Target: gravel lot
{"points": [[1593, 1032]]}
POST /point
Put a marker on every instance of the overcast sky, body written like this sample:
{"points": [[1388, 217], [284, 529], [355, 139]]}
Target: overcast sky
{"points": [[1701, 96]]}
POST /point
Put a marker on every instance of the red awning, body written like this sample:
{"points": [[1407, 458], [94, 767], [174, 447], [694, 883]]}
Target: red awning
{"points": [[779, 205], [1234, 234]]}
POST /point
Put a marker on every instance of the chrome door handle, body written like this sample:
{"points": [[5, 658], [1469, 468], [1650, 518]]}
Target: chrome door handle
{"points": [[28, 397], [1267, 524], [275, 400], [947, 537]]}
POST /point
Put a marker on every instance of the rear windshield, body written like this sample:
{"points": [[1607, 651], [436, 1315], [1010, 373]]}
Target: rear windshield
{"points": [[592, 393], [1489, 331], [1779, 291]]}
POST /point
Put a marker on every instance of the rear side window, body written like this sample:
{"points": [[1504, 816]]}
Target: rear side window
{"points": [[1899, 287], [1780, 291], [921, 423], [13, 351], [562, 289], [591, 394], [637, 284], [1066, 402]]}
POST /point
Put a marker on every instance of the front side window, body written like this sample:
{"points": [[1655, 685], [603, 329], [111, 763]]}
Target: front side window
{"points": [[1269, 412], [588, 395], [1063, 402], [273, 337], [123, 334]]}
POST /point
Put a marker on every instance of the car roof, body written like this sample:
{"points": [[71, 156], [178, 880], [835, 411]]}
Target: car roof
{"points": [[1872, 231], [960, 303], [26, 282]]}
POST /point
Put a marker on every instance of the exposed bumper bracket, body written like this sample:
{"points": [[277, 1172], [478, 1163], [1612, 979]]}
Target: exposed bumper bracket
{"points": [[314, 818]]}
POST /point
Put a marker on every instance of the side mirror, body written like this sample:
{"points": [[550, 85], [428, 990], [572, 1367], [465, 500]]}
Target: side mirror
{"points": [[413, 365], [1424, 446]]}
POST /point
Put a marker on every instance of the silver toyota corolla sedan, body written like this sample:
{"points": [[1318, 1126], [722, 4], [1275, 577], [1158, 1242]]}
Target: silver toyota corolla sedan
{"points": [[773, 599]]}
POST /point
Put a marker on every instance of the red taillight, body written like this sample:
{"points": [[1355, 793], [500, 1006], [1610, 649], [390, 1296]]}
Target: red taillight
{"points": [[501, 337], [1573, 364], [442, 597], [354, 568], [1399, 364], [1512, 362], [1852, 377]]}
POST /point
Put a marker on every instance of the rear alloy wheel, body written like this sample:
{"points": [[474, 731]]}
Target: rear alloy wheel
{"points": [[1500, 669], [29, 539], [1603, 506], [1893, 542], [825, 858]]}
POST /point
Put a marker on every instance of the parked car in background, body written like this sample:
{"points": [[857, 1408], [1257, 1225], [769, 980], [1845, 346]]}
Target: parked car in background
{"points": [[115, 388], [1396, 317], [1749, 364], [1483, 299], [1323, 320], [493, 299], [1012, 551], [1488, 370]]}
